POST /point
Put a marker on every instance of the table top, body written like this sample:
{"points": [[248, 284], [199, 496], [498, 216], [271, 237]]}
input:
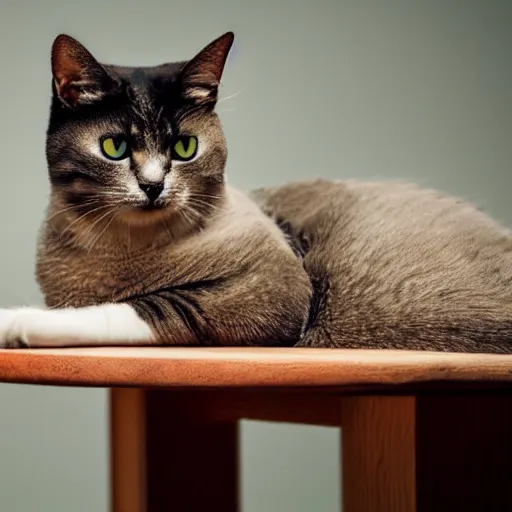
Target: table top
{"points": [[248, 367]]}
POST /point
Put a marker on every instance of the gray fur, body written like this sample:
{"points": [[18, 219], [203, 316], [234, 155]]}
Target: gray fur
{"points": [[397, 266]]}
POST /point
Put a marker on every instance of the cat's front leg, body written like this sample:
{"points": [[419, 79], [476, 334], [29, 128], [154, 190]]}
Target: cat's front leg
{"points": [[105, 324]]}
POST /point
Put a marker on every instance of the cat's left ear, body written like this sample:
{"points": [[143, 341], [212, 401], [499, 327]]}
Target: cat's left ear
{"points": [[201, 76], [79, 78]]}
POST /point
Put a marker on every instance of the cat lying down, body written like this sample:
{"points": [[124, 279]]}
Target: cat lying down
{"points": [[144, 242]]}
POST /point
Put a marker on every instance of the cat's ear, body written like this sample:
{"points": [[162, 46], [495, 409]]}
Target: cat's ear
{"points": [[201, 76], [79, 78]]}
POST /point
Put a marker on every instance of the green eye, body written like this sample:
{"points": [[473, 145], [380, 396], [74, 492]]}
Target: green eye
{"points": [[115, 147], [185, 149]]}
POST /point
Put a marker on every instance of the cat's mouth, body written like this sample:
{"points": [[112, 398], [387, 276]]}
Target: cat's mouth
{"points": [[151, 206], [147, 205]]}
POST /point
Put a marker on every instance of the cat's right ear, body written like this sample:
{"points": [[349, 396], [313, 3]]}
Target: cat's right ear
{"points": [[78, 77]]}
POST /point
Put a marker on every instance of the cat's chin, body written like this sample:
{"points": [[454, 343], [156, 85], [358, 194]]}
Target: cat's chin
{"points": [[151, 207], [147, 225], [167, 216], [145, 214]]}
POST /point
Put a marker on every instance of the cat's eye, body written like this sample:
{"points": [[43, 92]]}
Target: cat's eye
{"points": [[115, 147], [185, 148]]}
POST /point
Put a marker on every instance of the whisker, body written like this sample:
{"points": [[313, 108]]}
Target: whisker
{"points": [[201, 200], [193, 211], [96, 240], [91, 228], [97, 222], [184, 213], [206, 196], [81, 217], [198, 202], [231, 96], [71, 207], [115, 193]]}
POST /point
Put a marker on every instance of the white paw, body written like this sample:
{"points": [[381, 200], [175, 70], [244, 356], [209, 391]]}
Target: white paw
{"points": [[12, 332]]}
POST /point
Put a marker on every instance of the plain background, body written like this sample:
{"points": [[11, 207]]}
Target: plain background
{"points": [[348, 89]]}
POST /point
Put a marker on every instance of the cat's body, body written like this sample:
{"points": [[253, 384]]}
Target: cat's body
{"points": [[397, 266], [145, 243]]}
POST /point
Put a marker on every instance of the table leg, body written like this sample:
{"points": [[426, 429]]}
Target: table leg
{"points": [[434, 452], [378, 461], [128, 450], [169, 455]]}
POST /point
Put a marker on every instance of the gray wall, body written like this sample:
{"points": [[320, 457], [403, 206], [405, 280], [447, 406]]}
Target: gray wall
{"points": [[407, 89]]}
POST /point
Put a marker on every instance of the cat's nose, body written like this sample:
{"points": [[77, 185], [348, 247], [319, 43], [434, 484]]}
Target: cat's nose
{"points": [[152, 190]]}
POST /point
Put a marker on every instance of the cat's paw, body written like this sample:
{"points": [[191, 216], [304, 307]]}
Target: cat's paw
{"points": [[11, 328]]}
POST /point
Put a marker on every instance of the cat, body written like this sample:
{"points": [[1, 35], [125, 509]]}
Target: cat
{"points": [[145, 243]]}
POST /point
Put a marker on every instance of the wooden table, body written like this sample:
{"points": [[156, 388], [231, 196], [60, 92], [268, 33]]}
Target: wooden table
{"points": [[422, 432]]}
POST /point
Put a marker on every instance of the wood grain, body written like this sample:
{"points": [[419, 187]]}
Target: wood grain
{"points": [[247, 367], [378, 447], [128, 450], [433, 452]]}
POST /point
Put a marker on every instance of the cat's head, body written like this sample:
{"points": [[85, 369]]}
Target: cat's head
{"points": [[135, 145]]}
